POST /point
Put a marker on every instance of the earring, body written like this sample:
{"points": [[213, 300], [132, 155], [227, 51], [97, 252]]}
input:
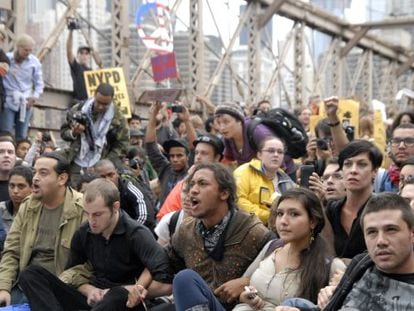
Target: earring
{"points": [[312, 238]]}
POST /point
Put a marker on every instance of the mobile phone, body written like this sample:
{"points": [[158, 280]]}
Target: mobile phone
{"points": [[306, 172], [251, 293], [176, 108]]}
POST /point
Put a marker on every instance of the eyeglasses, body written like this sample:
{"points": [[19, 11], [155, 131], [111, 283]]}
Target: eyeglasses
{"points": [[409, 179], [335, 176], [273, 151], [408, 141]]}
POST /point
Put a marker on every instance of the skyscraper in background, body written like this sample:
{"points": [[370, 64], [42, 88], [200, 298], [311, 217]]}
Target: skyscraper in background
{"points": [[401, 8], [266, 33], [320, 40]]}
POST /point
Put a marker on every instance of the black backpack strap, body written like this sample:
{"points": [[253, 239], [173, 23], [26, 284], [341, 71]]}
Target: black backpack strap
{"points": [[173, 222], [250, 131]]}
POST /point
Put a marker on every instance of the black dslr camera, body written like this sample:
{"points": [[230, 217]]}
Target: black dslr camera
{"points": [[322, 144], [46, 137], [73, 23], [136, 163], [350, 132], [79, 117]]}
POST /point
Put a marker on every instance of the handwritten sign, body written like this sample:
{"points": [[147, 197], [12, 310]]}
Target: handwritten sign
{"points": [[116, 78], [164, 67]]}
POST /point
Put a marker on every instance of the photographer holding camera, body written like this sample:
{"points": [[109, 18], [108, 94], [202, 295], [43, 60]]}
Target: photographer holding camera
{"points": [[96, 130], [77, 65]]}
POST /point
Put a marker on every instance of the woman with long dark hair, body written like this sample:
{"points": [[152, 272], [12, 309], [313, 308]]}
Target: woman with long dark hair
{"points": [[296, 265]]}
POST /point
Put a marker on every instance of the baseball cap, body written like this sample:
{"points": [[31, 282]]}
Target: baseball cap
{"points": [[168, 144], [211, 140], [136, 133]]}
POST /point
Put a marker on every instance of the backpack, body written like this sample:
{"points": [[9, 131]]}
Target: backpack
{"points": [[173, 222], [285, 126]]}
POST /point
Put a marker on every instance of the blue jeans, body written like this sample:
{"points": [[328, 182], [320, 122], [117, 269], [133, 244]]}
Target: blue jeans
{"points": [[17, 296], [300, 303], [9, 120], [191, 290]]}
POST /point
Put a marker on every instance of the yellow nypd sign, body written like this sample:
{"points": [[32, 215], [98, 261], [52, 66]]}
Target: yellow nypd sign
{"points": [[116, 78]]}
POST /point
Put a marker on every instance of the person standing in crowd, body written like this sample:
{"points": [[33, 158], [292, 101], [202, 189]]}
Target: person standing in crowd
{"points": [[23, 85], [7, 162], [43, 227], [4, 67], [20, 187], [359, 162], [173, 168], [78, 65], [261, 180], [95, 130]]}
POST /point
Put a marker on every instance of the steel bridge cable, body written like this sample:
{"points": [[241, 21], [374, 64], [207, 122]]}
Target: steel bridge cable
{"points": [[222, 43]]}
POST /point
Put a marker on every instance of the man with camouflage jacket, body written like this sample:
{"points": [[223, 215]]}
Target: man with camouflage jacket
{"points": [[96, 130]]}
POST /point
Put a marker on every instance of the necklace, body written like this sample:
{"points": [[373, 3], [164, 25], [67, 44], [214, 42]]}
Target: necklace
{"points": [[282, 280], [288, 283]]}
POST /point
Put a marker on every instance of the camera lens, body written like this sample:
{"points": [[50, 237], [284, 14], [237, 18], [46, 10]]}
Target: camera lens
{"points": [[322, 144]]}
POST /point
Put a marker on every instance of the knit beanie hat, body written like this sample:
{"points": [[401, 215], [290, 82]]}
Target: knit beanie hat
{"points": [[230, 108]]}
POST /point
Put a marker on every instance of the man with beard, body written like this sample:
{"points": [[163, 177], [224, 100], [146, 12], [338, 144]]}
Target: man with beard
{"points": [[402, 147], [107, 264], [23, 85], [42, 229]]}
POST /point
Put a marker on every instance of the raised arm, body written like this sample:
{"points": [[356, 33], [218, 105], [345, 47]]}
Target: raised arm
{"points": [[69, 47]]}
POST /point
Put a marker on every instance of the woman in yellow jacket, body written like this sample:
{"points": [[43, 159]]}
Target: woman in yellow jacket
{"points": [[261, 180]]}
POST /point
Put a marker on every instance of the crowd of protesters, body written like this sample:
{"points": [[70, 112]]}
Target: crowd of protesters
{"points": [[170, 215]]}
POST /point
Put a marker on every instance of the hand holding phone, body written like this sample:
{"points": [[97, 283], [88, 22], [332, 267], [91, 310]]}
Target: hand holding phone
{"points": [[176, 108], [306, 172], [250, 292]]}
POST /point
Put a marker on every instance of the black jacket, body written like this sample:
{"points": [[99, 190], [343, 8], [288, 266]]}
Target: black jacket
{"points": [[353, 274], [136, 201]]}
